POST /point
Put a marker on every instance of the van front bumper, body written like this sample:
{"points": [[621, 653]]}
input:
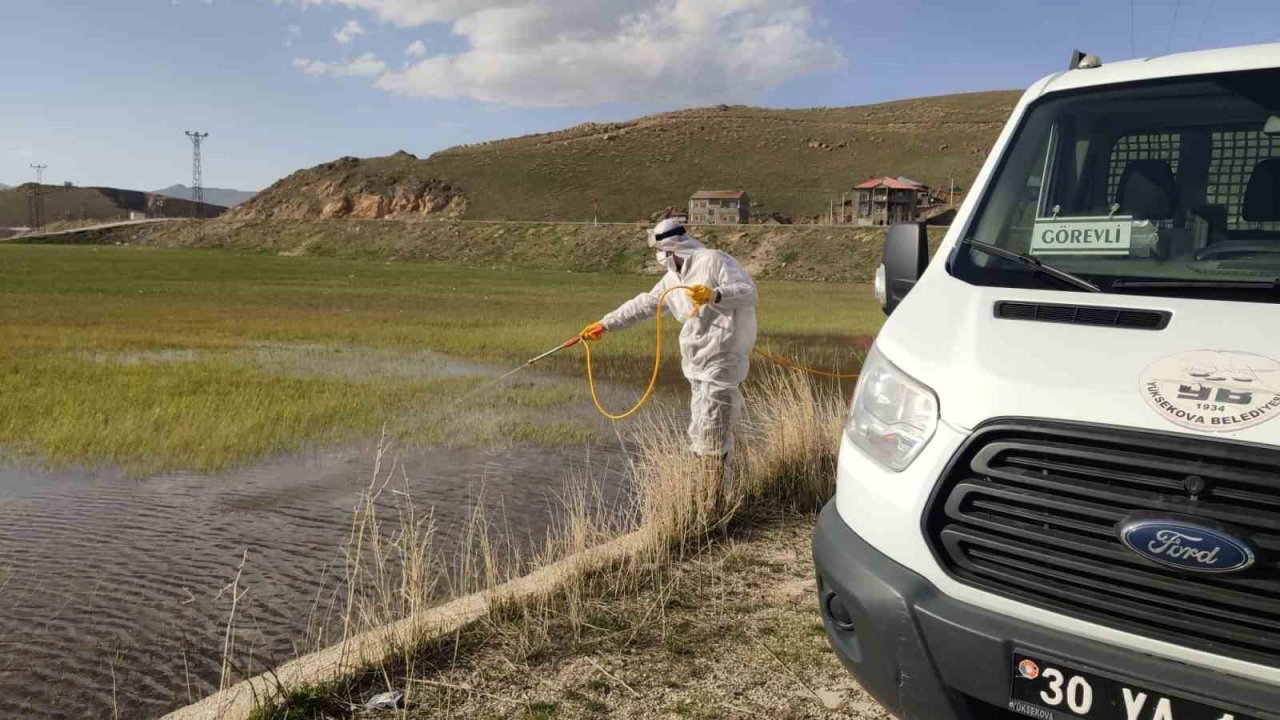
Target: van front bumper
{"points": [[926, 656]]}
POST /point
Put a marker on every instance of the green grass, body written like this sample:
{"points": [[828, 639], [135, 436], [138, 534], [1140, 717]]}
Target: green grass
{"points": [[156, 359], [802, 253]]}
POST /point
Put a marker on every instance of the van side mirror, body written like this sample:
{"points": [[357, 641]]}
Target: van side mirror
{"points": [[906, 255]]}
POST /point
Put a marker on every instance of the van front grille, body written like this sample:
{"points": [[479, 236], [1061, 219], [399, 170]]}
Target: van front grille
{"points": [[1031, 509]]}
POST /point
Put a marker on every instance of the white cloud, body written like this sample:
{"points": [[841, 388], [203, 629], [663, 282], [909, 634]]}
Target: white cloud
{"points": [[347, 32], [417, 49], [367, 65], [291, 33], [582, 52]]}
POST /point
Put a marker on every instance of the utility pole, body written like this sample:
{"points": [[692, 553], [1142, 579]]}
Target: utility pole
{"points": [[35, 199], [951, 194], [197, 184]]}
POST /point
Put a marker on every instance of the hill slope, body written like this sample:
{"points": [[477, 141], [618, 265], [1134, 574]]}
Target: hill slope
{"points": [[224, 197], [397, 186], [790, 161], [92, 203]]}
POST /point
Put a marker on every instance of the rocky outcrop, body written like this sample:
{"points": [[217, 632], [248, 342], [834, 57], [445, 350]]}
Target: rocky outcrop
{"points": [[393, 187]]}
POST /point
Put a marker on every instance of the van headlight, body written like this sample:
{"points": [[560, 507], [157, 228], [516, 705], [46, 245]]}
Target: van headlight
{"points": [[893, 415]]}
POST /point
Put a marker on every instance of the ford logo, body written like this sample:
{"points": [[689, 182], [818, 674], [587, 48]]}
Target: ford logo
{"points": [[1186, 546]]}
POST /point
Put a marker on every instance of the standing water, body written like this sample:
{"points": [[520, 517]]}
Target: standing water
{"points": [[109, 585]]}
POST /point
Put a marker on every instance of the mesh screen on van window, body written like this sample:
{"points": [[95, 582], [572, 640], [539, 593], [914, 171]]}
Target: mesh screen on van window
{"points": [[1235, 154], [1158, 146]]}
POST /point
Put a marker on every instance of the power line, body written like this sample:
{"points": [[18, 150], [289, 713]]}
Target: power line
{"points": [[197, 184], [1169, 43], [35, 199]]}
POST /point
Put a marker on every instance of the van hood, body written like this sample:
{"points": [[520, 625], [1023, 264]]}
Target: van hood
{"points": [[1213, 371]]}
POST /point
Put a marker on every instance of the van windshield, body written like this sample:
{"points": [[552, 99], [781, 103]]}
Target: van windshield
{"points": [[1169, 188]]}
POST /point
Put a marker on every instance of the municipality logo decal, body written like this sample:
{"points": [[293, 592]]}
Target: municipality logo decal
{"points": [[1213, 390]]}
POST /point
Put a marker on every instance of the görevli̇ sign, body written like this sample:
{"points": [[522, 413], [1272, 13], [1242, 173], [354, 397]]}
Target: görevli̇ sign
{"points": [[1082, 236]]}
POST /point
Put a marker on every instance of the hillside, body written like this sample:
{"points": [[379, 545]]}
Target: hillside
{"points": [[781, 252], [790, 161], [394, 187], [224, 197], [92, 203]]}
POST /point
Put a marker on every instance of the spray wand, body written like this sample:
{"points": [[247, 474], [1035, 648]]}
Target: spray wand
{"points": [[566, 344]]}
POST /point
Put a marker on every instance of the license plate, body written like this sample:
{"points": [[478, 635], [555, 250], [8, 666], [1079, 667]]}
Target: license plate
{"points": [[1051, 690]]}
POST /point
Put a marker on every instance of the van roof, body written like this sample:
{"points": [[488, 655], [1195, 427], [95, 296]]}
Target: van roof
{"points": [[1248, 57]]}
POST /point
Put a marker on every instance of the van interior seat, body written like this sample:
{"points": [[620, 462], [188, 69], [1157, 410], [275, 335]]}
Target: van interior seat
{"points": [[1148, 190], [1262, 194], [1261, 204]]}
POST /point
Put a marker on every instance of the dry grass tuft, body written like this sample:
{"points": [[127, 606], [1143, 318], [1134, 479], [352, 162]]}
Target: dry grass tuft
{"points": [[678, 506]]}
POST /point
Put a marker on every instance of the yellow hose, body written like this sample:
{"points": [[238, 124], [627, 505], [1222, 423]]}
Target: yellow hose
{"points": [[789, 363], [657, 362], [653, 376]]}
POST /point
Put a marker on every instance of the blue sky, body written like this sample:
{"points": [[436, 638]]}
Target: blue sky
{"points": [[102, 91]]}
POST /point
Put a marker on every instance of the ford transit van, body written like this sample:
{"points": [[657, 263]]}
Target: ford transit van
{"points": [[1058, 487]]}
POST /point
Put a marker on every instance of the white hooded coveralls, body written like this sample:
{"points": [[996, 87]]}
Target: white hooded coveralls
{"points": [[715, 344]]}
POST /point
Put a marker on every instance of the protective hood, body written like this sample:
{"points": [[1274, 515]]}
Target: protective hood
{"points": [[669, 236], [680, 244]]}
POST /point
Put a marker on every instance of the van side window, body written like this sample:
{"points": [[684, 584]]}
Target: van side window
{"points": [[1235, 154], [1026, 204]]}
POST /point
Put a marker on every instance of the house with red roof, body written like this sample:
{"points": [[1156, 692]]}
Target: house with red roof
{"points": [[887, 200]]}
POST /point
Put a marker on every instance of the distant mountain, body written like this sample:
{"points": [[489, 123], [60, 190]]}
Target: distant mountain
{"points": [[213, 196], [3, 186], [63, 203]]}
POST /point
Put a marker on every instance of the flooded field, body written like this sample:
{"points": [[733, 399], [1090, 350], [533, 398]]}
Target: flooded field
{"points": [[154, 403], [110, 585]]}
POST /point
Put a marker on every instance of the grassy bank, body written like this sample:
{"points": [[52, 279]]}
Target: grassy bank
{"points": [[634, 633], [160, 358], [795, 252], [733, 632]]}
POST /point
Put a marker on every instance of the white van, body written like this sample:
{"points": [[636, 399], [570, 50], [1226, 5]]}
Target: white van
{"points": [[1059, 484]]}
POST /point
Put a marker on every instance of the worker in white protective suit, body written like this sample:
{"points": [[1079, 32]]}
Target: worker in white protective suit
{"points": [[719, 318]]}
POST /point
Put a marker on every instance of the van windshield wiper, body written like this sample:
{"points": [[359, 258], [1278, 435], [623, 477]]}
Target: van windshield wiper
{"points": [[1034, 264], [1122, 283]]}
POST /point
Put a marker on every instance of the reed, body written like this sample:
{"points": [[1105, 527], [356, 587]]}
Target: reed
{"points": [[677, 506]]}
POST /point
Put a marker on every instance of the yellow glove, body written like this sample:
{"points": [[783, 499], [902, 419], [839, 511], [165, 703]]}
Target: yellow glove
{"points": [[701, 295], [594, 331]]}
